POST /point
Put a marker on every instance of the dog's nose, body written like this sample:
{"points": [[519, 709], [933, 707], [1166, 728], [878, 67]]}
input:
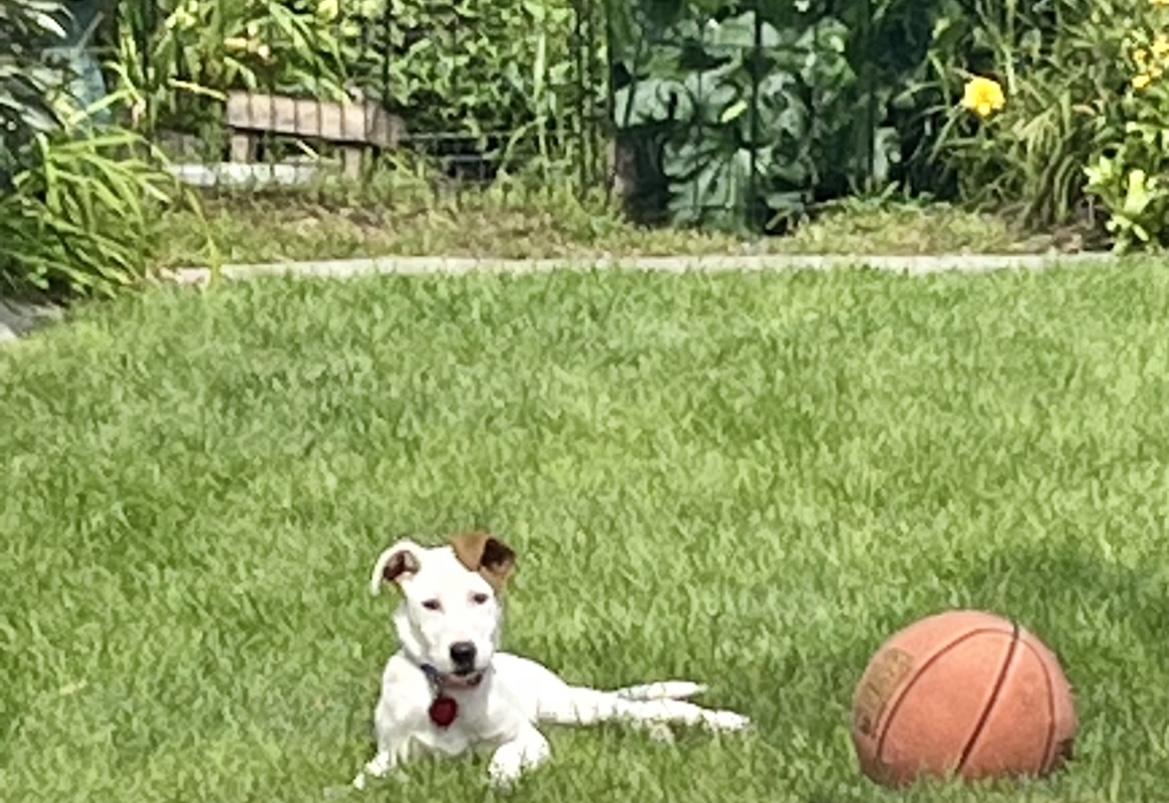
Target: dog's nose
{"points": [[463, 654]]}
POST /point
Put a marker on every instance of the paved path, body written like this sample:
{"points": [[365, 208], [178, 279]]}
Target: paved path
{"points": [[913, 265]]}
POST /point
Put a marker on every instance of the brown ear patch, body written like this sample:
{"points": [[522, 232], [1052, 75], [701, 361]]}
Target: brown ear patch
{"points": [[402, 562], [484, 553]]}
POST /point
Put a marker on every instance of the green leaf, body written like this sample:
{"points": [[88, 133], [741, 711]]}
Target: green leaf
{"points": [[733, 111], [1138, 194]]}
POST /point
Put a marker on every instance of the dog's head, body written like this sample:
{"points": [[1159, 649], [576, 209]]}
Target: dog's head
{"points": [[451, 609]]}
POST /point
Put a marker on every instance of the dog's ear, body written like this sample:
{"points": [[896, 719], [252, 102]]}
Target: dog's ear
{"points": [[484, 553], [398, 563]]}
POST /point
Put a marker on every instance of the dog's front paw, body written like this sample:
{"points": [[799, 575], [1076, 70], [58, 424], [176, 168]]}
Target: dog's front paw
{"points": [[379, 766], [504, 772], [502, 778], [726, 721], [512, 759]]}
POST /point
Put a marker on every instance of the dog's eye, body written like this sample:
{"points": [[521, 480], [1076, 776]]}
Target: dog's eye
{"points": [[432, 605], [479, 599]]}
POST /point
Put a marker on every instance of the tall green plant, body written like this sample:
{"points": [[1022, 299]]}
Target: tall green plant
{"points": [[77, 203], [176, 59], [26, 109], [80, 219]]}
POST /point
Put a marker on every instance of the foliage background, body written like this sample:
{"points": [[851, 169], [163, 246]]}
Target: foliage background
{"points": [[738, 115], [854, 96], [467, 69]]}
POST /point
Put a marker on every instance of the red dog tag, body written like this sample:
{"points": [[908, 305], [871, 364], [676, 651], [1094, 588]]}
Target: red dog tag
{"points": [[443, 711]]}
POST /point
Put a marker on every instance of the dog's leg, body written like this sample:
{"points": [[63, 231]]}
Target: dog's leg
{"points": [[378, 767], [512, 758], [584, 706], [391, 753], [662, 690]]}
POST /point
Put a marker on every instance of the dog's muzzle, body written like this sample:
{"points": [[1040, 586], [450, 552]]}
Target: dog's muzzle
{"points": [[463, 657], [459, 679]]}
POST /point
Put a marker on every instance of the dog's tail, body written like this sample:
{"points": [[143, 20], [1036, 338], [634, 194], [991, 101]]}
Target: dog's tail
{"points": [[661, 690]]}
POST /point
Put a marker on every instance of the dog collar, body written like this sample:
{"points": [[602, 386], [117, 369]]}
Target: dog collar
{"points": [[444, 708]]}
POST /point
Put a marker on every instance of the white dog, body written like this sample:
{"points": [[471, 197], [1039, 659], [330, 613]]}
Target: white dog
{"points": [[448, 690]]}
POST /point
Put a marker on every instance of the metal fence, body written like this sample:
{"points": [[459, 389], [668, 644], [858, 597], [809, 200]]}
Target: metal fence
{"points": [[699, 112]]}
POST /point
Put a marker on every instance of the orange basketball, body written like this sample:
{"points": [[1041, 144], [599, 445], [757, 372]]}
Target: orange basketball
{"points": [[964, 694]]}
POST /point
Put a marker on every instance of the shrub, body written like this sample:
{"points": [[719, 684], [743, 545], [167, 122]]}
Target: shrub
{"points": [[1059, 68], [1083, 122], [834, 117], [752, 118], [1130, 174]]}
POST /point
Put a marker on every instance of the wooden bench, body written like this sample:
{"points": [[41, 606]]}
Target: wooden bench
{"points": [[356, 126]]}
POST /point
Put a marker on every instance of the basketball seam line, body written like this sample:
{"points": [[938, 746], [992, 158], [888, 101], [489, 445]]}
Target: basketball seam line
{"points": [[896, 704], [994, 696], [1048, 745]]}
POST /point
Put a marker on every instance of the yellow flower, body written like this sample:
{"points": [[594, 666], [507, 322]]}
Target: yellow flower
{"points": [[1140, 56], [1161, 45], [328, 10], [1160, 2], [1141, 81], [1136, 181], [984, 96], [182, 18]]}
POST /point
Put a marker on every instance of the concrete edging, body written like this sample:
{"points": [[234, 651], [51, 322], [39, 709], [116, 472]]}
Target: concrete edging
{"points": [[422, 266], [18, 319]]}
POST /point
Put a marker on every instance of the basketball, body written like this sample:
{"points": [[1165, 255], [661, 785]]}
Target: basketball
{"points": [[962, 694]]}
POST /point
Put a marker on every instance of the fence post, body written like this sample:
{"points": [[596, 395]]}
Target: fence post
{"points": [[596, 138], [753, 201], [610, 142], [581, 134], [869, 90]]}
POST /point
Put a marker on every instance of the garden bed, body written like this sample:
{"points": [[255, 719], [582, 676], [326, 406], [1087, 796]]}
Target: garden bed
{"points": [[528, 225]]}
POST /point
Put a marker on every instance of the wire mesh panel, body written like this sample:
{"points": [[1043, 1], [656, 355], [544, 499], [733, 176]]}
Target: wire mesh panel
{"points": [[490, 88]]}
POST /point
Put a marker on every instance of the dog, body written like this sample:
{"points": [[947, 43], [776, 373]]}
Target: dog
{"points": [[448, 689]]}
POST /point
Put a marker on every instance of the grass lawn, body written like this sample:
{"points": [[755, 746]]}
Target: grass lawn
{"points": [[750, 480]]}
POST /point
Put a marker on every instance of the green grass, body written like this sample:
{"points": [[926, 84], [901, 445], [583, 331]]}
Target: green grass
{"points": [[553, 223], [749, 480]]}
